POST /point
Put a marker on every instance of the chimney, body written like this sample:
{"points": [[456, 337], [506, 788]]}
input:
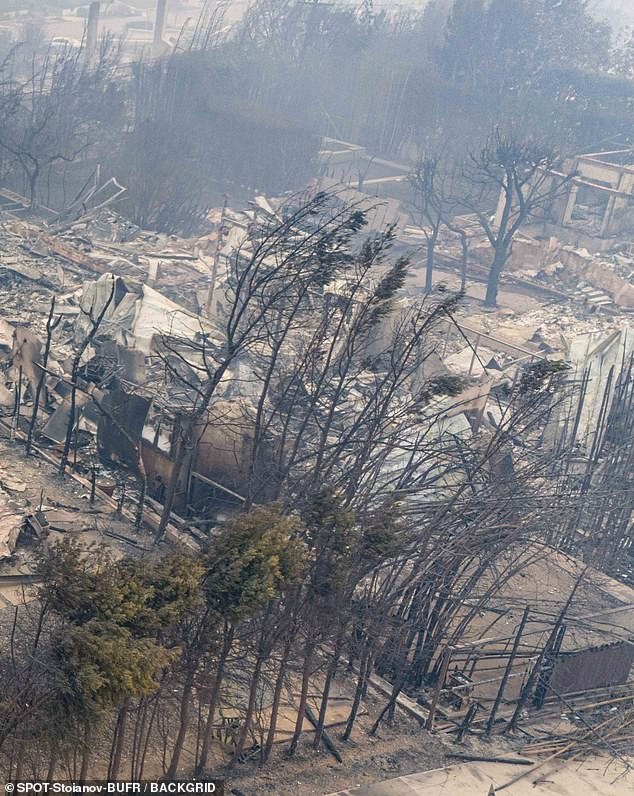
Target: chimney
{"points": [[159, 25], [92, 26]]}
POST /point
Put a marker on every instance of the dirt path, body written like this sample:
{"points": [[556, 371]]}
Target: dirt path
{"points": [[401, 749]]}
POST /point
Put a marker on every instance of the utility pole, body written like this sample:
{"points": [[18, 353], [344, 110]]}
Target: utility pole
{"points": [[214, 267]]}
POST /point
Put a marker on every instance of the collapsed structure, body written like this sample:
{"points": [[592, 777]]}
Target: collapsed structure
{"points": [[142, 310], [151, 288]]}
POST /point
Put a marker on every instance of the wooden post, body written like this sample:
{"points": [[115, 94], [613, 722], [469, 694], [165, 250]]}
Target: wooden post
{"points": [[15, 425], [214, 267], [76, 436], [446, 343], [441, 681], [547, 669], [507, 671], [468, 719], [475, 352], [120, 501]]}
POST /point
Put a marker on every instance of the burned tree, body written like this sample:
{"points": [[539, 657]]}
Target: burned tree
{"points": [[344, 429], [268, 286], [53, 115], [51, 325], [95, 317], [429, 204], [520, 176]]}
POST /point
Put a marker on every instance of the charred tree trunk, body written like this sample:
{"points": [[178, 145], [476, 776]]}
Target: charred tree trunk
{"points": [[277, 695], [85, 755], [201, 764], [429, 260], [117, 750], [301, 710], [493, 283], [365, 667], [183, 727], [321, 721], [253, 689]]}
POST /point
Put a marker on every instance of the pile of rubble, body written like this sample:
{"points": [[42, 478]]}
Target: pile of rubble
{"points": [[146, 286]]}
